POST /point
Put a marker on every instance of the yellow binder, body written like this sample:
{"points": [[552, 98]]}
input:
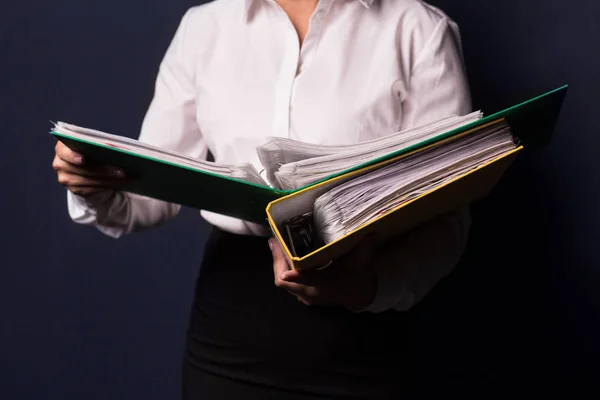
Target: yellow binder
{"points": [[460, 191], [531, 122]]}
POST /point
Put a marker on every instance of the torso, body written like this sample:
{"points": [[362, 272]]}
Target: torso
{"points": [[344, 85]]}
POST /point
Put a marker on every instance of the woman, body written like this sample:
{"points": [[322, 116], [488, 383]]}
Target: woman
{"points": [[328, 72]]}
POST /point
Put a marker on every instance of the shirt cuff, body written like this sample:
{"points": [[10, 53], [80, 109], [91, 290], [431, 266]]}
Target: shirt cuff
{"points": [[94, 211], [91, 202]]}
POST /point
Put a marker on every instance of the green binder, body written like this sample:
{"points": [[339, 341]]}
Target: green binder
{"points": [[532, 122]]}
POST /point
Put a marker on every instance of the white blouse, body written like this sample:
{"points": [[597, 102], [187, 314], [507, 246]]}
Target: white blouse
{"points": [[235, 74]]}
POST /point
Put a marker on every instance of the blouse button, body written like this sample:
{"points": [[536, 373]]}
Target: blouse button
{"points": [[399, 90]]}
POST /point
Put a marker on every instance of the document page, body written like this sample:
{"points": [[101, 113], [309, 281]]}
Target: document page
{"points": [[245, 172], [292, 164], [360, 200]]}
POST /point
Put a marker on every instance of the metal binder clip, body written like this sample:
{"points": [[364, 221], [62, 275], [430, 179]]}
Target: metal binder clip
{"points": [[301, 234]]}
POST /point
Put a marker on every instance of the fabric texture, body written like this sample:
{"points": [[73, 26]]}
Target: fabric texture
{"points": [[248, 339], [235, 74]]}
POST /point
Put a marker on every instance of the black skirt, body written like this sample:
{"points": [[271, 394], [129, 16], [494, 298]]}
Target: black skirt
{"points": [[248, 339]]}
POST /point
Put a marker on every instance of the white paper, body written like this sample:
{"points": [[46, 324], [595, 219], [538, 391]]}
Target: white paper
{"points": [[291, 164], [245, 172], [356, 202]]}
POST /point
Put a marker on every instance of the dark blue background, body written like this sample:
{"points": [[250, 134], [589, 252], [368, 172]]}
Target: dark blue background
{"points": [[85, 316]]}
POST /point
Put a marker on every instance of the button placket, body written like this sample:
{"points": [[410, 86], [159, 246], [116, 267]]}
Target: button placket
{"points": [[308, 47], [310, 41], [295, 62], [287, 74]]}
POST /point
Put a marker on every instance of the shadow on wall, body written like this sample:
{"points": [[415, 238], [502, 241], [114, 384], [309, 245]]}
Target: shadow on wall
{"points": [[523, 294]]}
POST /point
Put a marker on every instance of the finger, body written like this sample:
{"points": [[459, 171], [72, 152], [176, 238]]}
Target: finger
{"points": [[280, 264], [84, 191], [280, 268], [305, 294], [72, 180], [308, 294], [293, 276], [296, 288], [358, 258], [308, 278], [68, 155], [105, 171]]}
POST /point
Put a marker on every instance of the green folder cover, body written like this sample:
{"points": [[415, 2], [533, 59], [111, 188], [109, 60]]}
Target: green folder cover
{"points": [[532, 122]]}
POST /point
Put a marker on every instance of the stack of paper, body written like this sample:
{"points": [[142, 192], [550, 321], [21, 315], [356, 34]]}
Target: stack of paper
{"points": [[358, 201], [291, 164], [392, 184], [245, 172]]}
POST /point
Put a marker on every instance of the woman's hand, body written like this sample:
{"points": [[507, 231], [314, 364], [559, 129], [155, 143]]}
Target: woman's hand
{"points": [[349, 281], [80, 177]]}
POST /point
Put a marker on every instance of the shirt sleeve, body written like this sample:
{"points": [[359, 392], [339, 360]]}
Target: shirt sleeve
{"points": [[413, 264], [169, 123]]}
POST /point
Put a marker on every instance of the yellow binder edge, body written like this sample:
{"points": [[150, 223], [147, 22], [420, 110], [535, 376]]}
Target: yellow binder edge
{"points": [[376, 166]]}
